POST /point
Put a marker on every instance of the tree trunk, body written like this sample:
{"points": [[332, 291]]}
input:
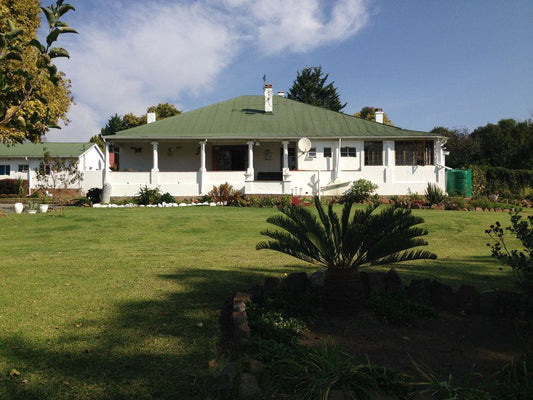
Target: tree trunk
{"points": [[344, 291]]}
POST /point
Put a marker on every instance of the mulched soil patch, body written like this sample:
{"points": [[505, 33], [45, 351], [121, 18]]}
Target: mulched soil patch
{"points": [[452, 344]]}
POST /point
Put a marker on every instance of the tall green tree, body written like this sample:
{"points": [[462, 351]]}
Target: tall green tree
{"points": [[117, 123], [369, 113], [507, 144], [310, 87], [463, 149], [34, 95]]}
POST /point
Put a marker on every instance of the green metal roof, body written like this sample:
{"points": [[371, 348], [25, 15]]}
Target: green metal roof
{"points": [[244, 118], [36, 150]]}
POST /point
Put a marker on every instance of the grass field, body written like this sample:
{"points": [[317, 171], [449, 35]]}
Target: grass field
{"points": [[104, 303]]}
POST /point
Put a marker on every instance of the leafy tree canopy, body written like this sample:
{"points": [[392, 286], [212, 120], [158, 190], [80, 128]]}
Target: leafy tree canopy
{"points": [[369, 113], [310, 87], [507, 144], [34, 95], [117, 123]]}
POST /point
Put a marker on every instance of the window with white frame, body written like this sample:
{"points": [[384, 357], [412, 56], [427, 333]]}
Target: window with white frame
{"points": [[312, 152], [327, 152], [24, 167], [348, 152], [5, 169]]}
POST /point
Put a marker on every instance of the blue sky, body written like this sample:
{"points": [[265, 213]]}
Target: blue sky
{"points": [[459, 64]]}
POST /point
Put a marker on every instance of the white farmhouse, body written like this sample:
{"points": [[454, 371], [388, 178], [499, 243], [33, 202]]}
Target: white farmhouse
{"points": [[21, 161], [272, 145]]}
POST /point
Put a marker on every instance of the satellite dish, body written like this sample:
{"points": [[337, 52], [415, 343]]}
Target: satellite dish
{"points": [[304, 144]]}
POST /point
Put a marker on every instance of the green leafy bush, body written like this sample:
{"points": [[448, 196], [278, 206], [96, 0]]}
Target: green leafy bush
{"points": [[167, 198], [398, 309], [148, 196], [274, 325], [521, 261], [508, 183], [434, 194], [17, 187], [454, 203], [360, 191]]}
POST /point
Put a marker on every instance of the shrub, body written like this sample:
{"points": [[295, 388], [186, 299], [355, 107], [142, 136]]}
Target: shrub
{"points": [[94, 195], [17, 187], [454, 203], [509, 183], [521, 261], [167, 198], [360, 191], [350, 241], [148, 196], [398, 309], [434, 194], [225, 194]]}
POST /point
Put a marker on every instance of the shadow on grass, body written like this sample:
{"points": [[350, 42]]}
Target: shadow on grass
{"points": [[150, 349]]}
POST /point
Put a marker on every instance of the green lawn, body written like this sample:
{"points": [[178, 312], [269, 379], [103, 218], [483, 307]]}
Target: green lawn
{"points": [[103, 303]]}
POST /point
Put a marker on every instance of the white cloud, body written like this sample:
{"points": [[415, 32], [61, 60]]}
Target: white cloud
{"points": [[132, 55], [84, 124]]}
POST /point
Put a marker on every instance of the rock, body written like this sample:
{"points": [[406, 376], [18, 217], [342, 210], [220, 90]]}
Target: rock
{"points": [[239, 307], [336, 394], [295, 282], [435, 207], [226, 378], [478, 209], [248, 389], [416, 206], [376, 281], [317, 279], [488, 302], [420, 290], [498, 209], [241, 330], [271, 285], [441, 295], [467, 299], [509, 303], [393, 282], [256, 367], [242, 297]]}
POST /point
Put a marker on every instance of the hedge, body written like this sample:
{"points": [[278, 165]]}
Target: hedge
{"points": [[509, 183], [13, 186]]}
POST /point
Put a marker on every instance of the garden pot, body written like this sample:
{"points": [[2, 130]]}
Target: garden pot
{"points": [[18, 207], [43, 208], [32, 211]]}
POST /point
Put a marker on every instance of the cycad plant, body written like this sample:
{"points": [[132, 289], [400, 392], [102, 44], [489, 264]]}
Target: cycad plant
{"points": [[343, 244]]}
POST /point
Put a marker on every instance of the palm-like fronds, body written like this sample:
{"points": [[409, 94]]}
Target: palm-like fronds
{"points": [[358, 237]]}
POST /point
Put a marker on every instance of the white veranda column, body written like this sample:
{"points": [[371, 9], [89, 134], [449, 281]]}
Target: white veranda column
{"points": [[250, 170], [202, 170], [154, 175], [106, 162], [202, 156], [338, 165]]}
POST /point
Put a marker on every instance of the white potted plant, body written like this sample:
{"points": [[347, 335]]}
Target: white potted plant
{"points": [[32, 208], [18, 207], [43, 205]]}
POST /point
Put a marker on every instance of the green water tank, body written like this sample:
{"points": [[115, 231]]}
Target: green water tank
{"points": [[459, 182]]}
